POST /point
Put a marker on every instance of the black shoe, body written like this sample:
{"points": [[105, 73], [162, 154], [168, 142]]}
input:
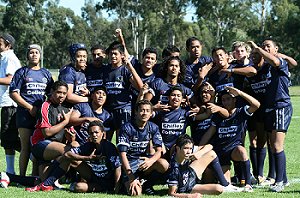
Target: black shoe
{"points": [[149, 191]]}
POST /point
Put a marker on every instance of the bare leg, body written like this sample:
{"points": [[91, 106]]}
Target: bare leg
{"points": [[25, 149]]}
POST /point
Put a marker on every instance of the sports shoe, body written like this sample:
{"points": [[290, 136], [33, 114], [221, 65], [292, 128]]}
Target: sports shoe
{"points": [[40, 187], [4, 180], [232, 188], [248, 188], [267, 182], [277, 187], [286, 184], [254, 181]]}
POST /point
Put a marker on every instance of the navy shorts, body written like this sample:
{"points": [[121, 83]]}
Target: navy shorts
{"points": [[258, 116], [9, 132], [39, 148], [279, 119], [121, 116], [24, 119], [134, 166], [225, 157]]}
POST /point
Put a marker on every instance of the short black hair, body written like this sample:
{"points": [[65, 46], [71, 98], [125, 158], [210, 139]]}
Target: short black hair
{"points": [[96, 123], [214, 50], [58, 84], [103, 88], [116, 45], [167, 51], [189, 41], [149, 50], [173, 88], [143, 102], [183, 140], [97, 46]]}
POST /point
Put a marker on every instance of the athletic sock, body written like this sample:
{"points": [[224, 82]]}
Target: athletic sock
{"points": [[279, 165], [10, 164], [23, 180], [285, 179], [153, 178], [271, 173], [56, 174], [215, 164], [261, 155], [253, 159], [246, 170], [237, 170]]}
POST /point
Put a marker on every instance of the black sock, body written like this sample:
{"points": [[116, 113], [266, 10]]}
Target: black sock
{"points": [[279, 165], [215, 164], [246, 170], [237, 170], [56, 174], [23, 180], [271, 173], [261, 155], [253, 159]]}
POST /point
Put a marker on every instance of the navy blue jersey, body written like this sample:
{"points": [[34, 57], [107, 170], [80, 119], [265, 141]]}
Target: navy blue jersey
{"points": [[94, 76], [160, 89], [191, 75], [135, 142], [70, 75], [105, 167], [258, 83], [278, 91], [116, 81], [85, 110], [199, 128], [229, 131], [172, 124], [182, 176], [33, 85]]}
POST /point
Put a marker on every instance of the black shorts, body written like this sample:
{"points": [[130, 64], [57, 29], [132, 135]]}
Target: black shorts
{"points": [[9, 132], [279, 119], [258, 116], [38, 149], [24, 119]]}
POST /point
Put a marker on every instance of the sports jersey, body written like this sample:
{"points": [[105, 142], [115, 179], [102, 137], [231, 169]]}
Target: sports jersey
{"points": [[85, 110], [70, 75], [9, 63], [278, 92], [116, 81], [192, 73], [94, 76], [49, 115], [182, 176], [199, 128], [172, 124], [229, 131], [33, 85], [135, 141], [105, 167], [160, 89]]}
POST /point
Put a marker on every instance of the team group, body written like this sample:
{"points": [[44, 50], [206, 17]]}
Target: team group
{"points": [[66, 127]]}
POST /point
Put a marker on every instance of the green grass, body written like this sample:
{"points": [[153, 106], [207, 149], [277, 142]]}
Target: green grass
{"points": [[292, 150]]}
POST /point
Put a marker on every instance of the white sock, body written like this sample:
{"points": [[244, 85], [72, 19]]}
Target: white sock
{"points": [[10, 164]]}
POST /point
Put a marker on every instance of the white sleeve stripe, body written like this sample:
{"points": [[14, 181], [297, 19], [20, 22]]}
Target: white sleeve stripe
{"points": [[123, 144], [246, 110]]}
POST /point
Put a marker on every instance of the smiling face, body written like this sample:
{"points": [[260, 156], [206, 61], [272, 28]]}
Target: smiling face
{"points": [[207, 94], [98, 97], [175, 99], [95, 134], [149, 60], [81, 59]]}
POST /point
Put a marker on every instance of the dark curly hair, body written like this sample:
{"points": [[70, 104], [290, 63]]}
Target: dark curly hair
{"points": [[164, 69]]}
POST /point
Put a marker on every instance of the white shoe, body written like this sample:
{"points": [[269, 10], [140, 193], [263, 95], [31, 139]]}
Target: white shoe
{"points": [[248, 188], [277, 187], [4, 180], [232, 188], [267, 182]]}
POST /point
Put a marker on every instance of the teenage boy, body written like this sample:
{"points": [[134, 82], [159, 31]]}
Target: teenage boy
{"points": [[136, 139], [9, 64]]}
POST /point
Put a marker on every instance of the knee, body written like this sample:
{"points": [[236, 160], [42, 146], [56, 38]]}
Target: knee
{"points": [[163, 165], [242, 153], [212, 154]]}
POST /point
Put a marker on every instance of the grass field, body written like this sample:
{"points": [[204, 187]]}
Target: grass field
{"points": [[292, 150]]}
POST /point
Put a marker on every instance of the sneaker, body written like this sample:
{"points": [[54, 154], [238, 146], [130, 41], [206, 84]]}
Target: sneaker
{"points": [[235, 180], [4, 180], [267, 182], [248, 188], [232, 188], [149, 191], [40, 187], [254, 181], [277, 187], [286, 184]]}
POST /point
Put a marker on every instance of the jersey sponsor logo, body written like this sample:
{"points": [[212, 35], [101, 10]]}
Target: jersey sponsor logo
{"points": [[260, 85], [113, 85], [228, 135], [171, 132], [94, 83], [120, 78], [44, 80], [36, 85], [230, 129], [80, 87], [173, 126], [220, 88], [164, 99], [141, 144]]}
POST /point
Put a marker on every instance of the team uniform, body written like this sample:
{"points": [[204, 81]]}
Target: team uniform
{"points": [[229, 133], [104, 168], [160, 88], [85, 110], [33, 85], [136, 142], [94, 76], [70, 75], [49, 115], [172, 124], [192, 73], [278, 103], [116, 81], [199, 128], [9, 63]]}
